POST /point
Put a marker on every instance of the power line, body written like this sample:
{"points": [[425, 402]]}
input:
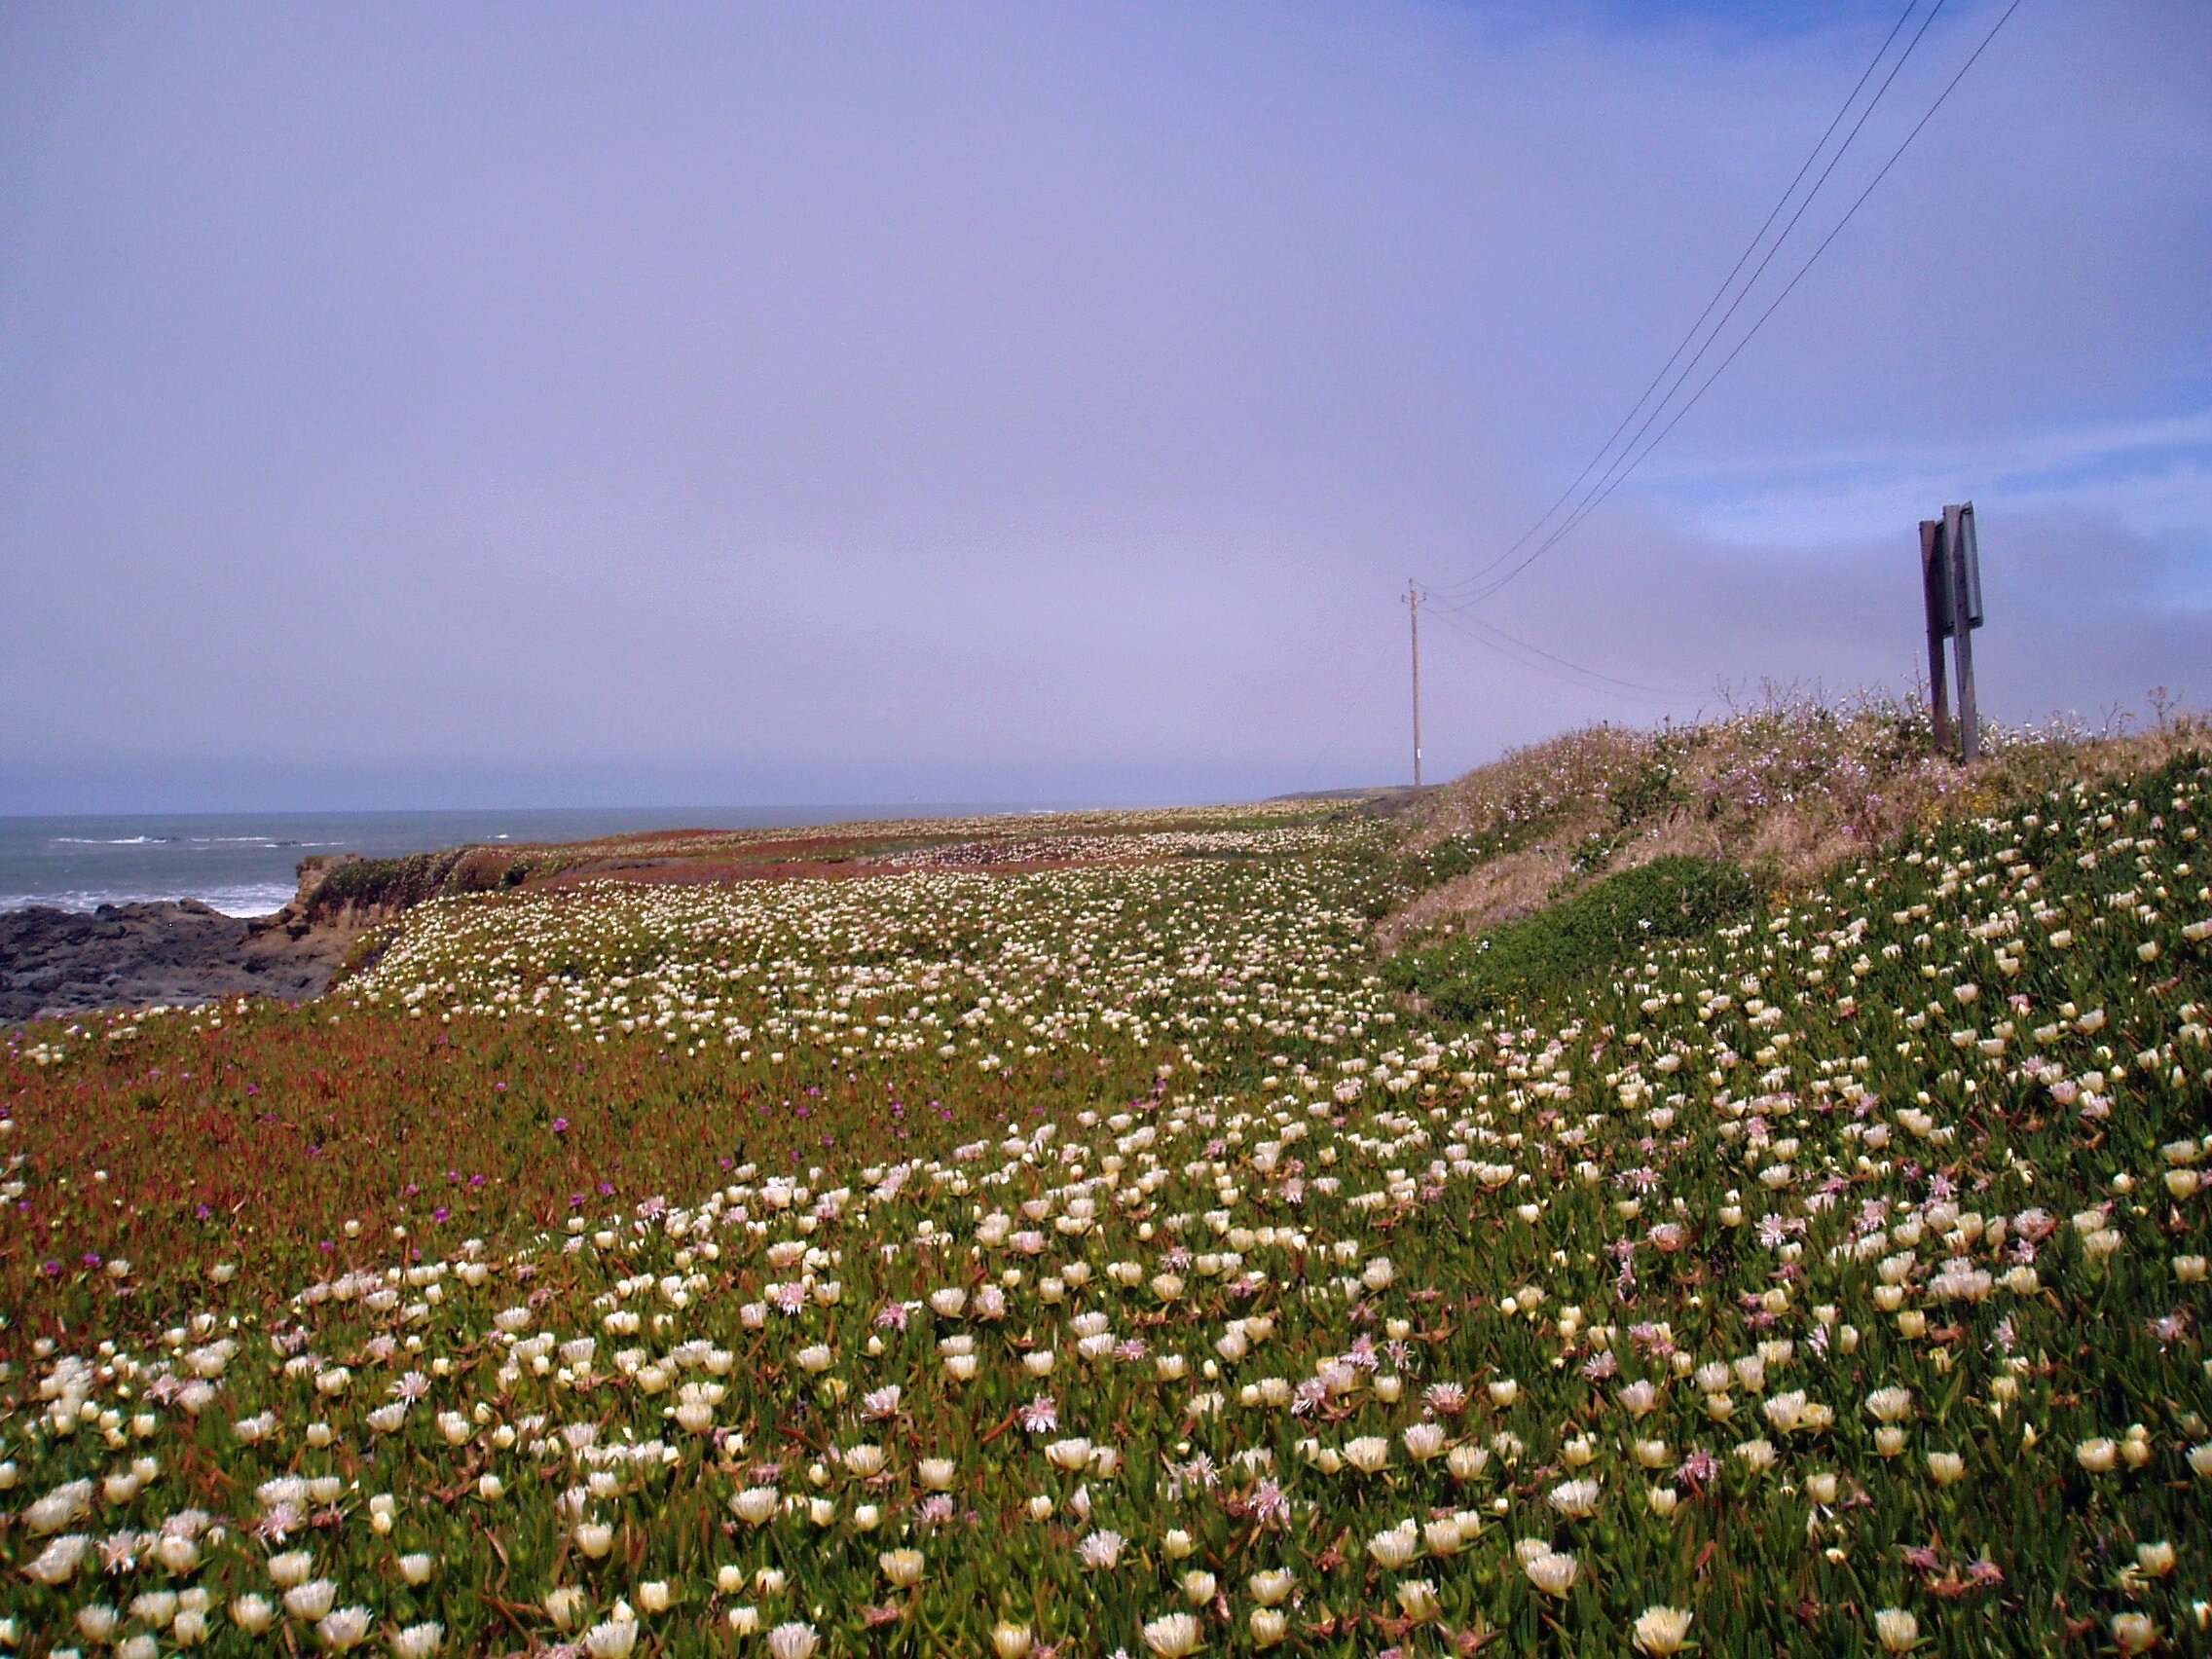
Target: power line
{"points": [[1598, 499], [1626, 462], [1460, 612], [1512, 653], [1726, 281], [1498, 637], [1607, 478]]}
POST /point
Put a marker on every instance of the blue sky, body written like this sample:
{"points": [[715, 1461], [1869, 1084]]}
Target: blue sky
{"points": [[524, 405]]}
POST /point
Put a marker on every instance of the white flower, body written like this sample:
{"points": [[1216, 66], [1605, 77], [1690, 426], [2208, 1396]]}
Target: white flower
{"points": [[1069, 1455], [756, 1505], [1552, 1573], [1424, 1441], [1890, 1405], [1578, 1500], [1417, 1600], [58, 1561], [344, 1628], [2097, 1455], [1897, 1630], [310, 1600], [1394, 1548], [1173, 1637], [1100, 1550], [935, 1474], [1661, 1630], [2134, 1632], [1368, 1453], [564, 1607]]}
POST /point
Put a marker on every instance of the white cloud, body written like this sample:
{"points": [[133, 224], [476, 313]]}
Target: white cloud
{"points": [[2154, 477]]}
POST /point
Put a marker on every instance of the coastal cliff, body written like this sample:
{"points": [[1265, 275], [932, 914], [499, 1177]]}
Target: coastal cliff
{"points": [[179, 951]]}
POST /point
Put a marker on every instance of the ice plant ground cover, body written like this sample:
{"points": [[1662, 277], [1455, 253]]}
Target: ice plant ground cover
{"points": [[1102, 1259]]}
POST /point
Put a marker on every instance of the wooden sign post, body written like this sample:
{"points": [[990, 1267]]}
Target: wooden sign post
{"points": [[1950, 579], [1965, 617], [1936, 597]]}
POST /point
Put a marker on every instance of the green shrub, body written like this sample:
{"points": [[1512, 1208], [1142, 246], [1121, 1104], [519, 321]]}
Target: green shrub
{"points": [[1583, 938], [1655, 791]]}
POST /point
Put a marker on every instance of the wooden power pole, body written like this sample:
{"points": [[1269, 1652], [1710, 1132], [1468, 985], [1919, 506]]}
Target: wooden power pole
{"points": [[1413, 605]]}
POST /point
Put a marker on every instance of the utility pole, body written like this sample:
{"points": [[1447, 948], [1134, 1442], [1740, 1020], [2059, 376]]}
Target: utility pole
{"points": [[1413, 603]]}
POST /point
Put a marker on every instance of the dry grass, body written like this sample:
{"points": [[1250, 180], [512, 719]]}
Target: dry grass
{"points": [[1497, 890], [1790, 787]]}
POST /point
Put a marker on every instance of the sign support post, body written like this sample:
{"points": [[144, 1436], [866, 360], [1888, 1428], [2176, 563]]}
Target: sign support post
{"points": [[1935, 598], [1950, 584]]}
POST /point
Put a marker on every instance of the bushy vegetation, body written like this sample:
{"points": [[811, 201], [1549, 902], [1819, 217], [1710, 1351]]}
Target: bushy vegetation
{"points": [[1104, 1260], [1583, 936], [390, 885], [1788, 786]]}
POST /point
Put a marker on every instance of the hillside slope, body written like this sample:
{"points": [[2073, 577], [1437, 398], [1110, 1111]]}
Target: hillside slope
{"points": [[1100, 1259], [1784, 792]]}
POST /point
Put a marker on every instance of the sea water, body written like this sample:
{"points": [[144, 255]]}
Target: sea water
{"points": [[245, 864]]}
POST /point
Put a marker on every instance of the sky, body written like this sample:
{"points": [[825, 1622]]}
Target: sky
{"points": [[570, 405]]}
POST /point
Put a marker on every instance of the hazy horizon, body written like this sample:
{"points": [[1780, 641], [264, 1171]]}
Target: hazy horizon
{"points": [[541, 404], [912, 807]]}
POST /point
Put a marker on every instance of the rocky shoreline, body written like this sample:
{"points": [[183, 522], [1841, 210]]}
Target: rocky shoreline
{"points": [[65, 962]]}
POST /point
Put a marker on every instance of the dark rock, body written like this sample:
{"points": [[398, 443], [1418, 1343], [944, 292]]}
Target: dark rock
{"points": [[128, 955]]}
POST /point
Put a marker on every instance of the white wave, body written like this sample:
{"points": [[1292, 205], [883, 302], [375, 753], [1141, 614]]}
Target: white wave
{"points": [[242, 901], [251, 900], [113, 840]]}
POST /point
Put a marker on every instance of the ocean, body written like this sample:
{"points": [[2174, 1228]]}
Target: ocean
{"points": [[242, 863]]}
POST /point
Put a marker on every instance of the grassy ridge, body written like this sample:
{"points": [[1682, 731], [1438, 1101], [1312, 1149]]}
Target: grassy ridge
{"points": [[1788, 789]]}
